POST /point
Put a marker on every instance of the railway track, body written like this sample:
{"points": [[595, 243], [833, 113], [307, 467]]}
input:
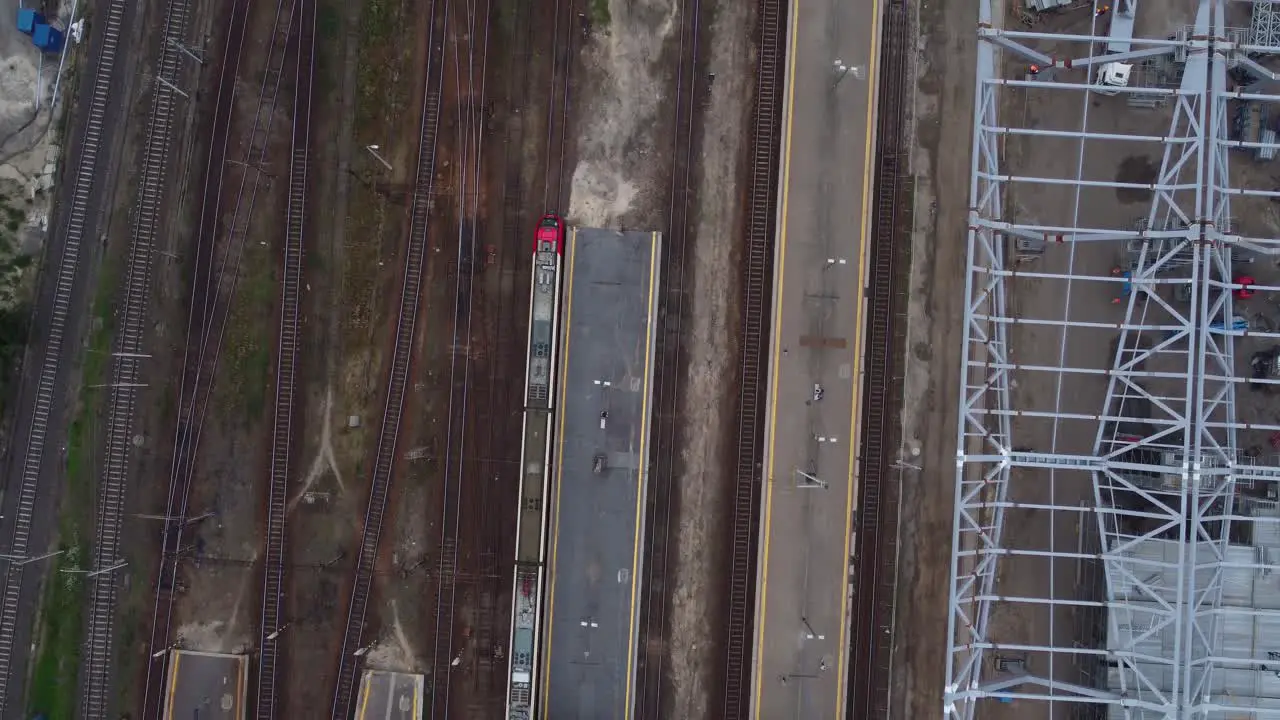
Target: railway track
{"points": [[97, 656], [461, 474], [51, 361], [213, 292], [288, 342], [488, 506], [757, 283], [397, 380], [558, 105], [653, 632], [871, 639]]}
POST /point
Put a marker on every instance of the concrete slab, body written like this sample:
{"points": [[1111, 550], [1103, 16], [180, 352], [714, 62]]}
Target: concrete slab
{"points": [[388, 695], [609, 319], [801, 657], [208, 686]]}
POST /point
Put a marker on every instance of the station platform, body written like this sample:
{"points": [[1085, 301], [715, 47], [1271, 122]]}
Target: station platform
{"points": [[388, 695], [801, 660], [609, 316], [209, 686]]}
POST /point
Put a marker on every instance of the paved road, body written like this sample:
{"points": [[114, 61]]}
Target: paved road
{"points": [[802, 614], [209, 686], [99, 215], [606, 345]]}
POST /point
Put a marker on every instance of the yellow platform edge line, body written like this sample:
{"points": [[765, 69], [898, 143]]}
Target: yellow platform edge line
{"points": [[555, 534]]}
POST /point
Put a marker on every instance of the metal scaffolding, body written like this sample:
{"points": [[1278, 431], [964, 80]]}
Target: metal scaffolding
{"points": [[1161, 597]]}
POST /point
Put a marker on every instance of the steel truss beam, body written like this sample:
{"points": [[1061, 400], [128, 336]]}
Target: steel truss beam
{"points": [[1187, 563]]}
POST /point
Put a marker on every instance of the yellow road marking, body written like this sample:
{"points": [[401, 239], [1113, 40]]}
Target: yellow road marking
{"points": [[857, 349], [555, 535], [857, 346], [173, 684], [644, 435]]}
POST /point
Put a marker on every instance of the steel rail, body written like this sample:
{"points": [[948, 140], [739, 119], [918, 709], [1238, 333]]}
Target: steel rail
{"points": [[397, 382], [757, 283], [211, 312], [520, 696], [288, 341], [470, 143], [50, 363], [97, 654], [653, 633], [871, 641], [561, 57]]}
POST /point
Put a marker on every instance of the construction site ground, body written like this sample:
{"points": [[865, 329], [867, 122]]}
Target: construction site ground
{"points": [[944, 120]]}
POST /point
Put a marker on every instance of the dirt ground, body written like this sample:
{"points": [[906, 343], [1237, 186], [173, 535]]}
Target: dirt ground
{"points": [[701, 553], [943, 120]]}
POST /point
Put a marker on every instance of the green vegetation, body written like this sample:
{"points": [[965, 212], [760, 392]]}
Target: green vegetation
{"points": [[60, 625], [13, 341], [15, 306], [249, 331], [600, 16], [382, 100], [328, 22]]}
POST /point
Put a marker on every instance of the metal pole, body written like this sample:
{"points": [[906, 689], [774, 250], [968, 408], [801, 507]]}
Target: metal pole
{"points": [[62, 56], [184, 49], [172, 87], [23, 560], [812, 634], [373, 150], [841, 70], [117, 566], [92, 573], [844, 70], [812, 480]]}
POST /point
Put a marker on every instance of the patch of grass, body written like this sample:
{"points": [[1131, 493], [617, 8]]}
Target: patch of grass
{"points": [[600, 16], [381, 101], [13, 341], [249, 337], [59, 630], [328, 21]]}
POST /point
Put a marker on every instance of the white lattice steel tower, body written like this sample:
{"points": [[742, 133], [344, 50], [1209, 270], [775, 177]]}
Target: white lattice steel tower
{"points": [[1117, 538]]}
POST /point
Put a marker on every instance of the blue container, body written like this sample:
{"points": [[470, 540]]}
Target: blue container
{"points": [[48, 39], [28, 19]]}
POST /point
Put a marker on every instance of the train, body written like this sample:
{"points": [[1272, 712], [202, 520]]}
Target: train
{"points": [[535, 467]]}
